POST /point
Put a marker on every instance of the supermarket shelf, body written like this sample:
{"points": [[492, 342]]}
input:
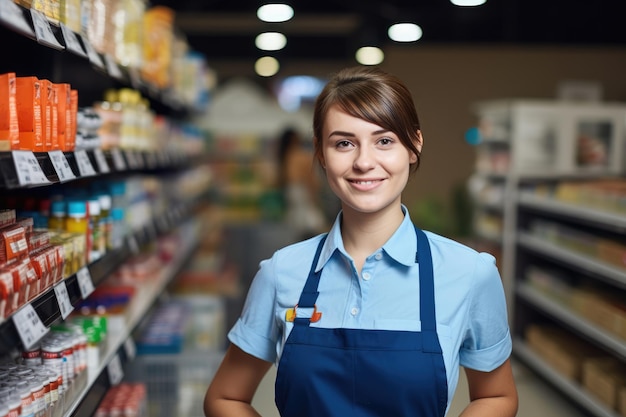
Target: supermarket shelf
{"points": [[598, 218], [573, 320], [25, 169], [570, 388], [602, 270], [46, 304], [98, 380]]}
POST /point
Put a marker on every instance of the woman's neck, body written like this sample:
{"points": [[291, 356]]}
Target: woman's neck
{"points": [[364, 233]]}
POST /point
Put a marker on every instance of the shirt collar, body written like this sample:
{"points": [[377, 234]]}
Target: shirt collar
{"points": [[401, 246]]}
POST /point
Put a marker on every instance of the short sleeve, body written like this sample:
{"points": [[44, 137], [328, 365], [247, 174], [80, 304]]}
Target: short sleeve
{"points": [[487, 343], [255, 332]]}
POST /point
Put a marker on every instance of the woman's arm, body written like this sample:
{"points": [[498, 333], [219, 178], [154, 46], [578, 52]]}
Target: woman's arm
{"points": [[234, 385], [492, 394]]}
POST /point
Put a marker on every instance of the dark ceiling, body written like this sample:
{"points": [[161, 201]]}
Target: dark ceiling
{"points": [[323, 29]]}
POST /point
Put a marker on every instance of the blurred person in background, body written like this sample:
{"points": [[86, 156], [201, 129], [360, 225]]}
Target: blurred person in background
{"points": [[300, 186]]}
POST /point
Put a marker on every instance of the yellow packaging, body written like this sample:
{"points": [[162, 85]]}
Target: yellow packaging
{"points": [[28, 100], [71, 14], [157, 45], [50, 8], [9, 129]]}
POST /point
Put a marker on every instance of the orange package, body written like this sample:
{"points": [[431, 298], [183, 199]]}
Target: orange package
{"points": [[28, 99], [73, 117], [64, 124], [9, 130], [47, 101]]}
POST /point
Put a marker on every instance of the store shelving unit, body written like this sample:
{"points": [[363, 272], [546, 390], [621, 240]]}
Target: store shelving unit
{"points": [[522, 154], [35, 46]]}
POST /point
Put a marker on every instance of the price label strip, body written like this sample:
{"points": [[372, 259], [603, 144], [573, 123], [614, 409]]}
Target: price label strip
{"points": [[118, 159], [85, 283], [93, 56], [61, 166], [115, 370], [29, 326], [84, 164], [43, 30], [28, 170], [72, 42], [112, 68], [63, 299], [12, 16], [101, 161]]}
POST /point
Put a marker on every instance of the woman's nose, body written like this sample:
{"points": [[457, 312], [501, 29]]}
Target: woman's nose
{"points": [[364, 159]]}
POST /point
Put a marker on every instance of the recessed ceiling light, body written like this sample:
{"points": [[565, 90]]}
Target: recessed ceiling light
{"points": [[266, 66], [404, 32], [270, 41], [275, 12], [468, 3], [369, 55]]}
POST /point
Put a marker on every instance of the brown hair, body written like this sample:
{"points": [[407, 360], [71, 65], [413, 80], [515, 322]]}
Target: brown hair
{"points": [[370, 94]]}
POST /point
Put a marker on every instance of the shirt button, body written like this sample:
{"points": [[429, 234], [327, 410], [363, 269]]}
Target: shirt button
{"points": [[378, 256], [366, 276], [354, 311]]}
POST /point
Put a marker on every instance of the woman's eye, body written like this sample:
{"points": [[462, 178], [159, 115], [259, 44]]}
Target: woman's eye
{"points": [[385, 141], [343, 144]]}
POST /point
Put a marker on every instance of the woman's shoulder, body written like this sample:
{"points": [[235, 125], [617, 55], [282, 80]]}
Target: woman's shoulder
{"points": [[450, 248]]}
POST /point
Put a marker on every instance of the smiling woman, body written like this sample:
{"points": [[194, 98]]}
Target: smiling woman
{"points": [[376, 303]]}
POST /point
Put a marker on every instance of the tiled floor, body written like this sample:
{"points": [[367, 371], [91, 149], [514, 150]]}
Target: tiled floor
{"points": [[537, 399]]}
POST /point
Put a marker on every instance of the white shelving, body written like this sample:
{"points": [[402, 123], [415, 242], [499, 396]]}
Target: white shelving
{"points": [[543, 140]]}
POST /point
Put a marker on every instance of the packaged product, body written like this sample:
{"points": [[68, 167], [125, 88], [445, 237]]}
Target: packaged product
{"points": [[28, 102], [64, 118], [47, 101], [9, 130]]}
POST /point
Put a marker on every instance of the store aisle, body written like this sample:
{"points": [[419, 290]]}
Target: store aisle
{"points": [[537, 398]]}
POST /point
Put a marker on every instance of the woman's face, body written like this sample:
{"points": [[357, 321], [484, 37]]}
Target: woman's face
{"points": [[367, 167]]}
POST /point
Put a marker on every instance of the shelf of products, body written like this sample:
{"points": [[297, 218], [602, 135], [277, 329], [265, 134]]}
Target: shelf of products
{"points": [[563, 237], [99, 166]]}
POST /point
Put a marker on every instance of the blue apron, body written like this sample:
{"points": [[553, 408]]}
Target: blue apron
{"points": [[364, 373]]}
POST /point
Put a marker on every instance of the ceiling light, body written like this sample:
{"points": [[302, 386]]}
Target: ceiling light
{"points": [[266, 66], [468, 3], [369, 55], [270, 41], [275, 13], [404, 32]]}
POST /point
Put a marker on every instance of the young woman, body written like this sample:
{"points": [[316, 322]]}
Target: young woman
{"points": [[374, 318]]}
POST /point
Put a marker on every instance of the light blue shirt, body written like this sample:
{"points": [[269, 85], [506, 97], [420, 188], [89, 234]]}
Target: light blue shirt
{"points": [[470, 305]]}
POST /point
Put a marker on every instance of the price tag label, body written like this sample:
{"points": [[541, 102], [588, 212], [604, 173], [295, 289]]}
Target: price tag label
{"points": [[130, 348], [112, 68], [72, 43], [118, 159], [93, 56], [84, 164], [85, 283], [29, 326], [115, 370], [28, 170], [61, 166], [12, 16], [43, 30], [101, 161], [63, 299], [130, 158]]}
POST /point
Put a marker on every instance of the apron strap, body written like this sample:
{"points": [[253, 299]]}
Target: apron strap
{"points": [[427, 293], [309, 294]]}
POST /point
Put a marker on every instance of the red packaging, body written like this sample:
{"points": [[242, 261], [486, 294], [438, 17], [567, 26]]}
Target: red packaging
{"points": [[28, 93], [8, 301], [13, 243]]}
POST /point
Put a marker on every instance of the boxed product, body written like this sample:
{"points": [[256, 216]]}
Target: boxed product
{"points": [[604, 377], [28, 99], [562, 350], [9, 130]]}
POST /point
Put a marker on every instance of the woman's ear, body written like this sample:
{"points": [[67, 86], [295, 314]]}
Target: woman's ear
{"points": [[418, 144]]}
